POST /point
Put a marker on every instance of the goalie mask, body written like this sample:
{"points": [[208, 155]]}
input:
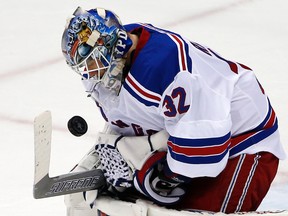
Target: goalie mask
{"points": [[94, 43]]}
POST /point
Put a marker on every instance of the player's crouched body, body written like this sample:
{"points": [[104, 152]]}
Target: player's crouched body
{"points": [[214, 143]]}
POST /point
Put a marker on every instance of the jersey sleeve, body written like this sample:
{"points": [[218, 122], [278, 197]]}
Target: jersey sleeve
{"points": [[199, 123]]}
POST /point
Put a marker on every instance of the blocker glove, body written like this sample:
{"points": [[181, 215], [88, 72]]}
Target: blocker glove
{"points": [[158, 182]]}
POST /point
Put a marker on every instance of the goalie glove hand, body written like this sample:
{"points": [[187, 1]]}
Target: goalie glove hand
{"points": [[116, 170], [152, 180]]}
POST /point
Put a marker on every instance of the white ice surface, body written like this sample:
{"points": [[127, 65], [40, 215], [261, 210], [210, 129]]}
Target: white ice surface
{"points": [[35, 78]]}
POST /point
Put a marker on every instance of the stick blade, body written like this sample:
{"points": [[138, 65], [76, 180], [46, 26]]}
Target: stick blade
{"points": [[69, 183], [42, 145]]}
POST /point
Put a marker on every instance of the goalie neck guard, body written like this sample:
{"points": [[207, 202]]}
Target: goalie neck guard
{"points": [[94, 43]]}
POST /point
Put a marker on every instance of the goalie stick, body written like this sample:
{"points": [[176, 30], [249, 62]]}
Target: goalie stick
{"points": [[45, 186]]}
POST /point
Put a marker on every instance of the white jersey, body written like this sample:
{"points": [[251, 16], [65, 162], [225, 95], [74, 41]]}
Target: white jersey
{"points": [[212, 108]]}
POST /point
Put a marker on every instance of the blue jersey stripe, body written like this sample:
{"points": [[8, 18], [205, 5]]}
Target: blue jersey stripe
{"points": [[261, 126], [200, 142], [252, 140], [197, 159]]}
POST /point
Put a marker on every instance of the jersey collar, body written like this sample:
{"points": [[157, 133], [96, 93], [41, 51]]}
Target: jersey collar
{"points": [[143, 36]]}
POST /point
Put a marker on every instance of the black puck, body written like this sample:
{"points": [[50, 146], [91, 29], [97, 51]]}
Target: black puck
{"points": [[77, 126]]}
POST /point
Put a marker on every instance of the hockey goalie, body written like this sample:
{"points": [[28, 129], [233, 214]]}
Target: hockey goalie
{"points": [[187, 128]]}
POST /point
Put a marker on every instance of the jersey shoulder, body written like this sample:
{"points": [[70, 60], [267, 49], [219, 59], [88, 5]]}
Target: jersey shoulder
{"points": [[161, 55]]}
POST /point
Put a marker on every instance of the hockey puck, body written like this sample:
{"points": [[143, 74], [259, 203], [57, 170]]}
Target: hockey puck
{"points": [[77, 126]]}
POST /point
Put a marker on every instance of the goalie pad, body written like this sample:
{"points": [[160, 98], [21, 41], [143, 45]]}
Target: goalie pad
{"points": [[136, 150], [80, 204]]}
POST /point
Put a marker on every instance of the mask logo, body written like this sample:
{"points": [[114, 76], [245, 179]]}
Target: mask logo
{"points": [[123, 44]]}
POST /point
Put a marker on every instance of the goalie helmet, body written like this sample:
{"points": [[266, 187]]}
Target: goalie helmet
{"points": [[94, 40]]}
